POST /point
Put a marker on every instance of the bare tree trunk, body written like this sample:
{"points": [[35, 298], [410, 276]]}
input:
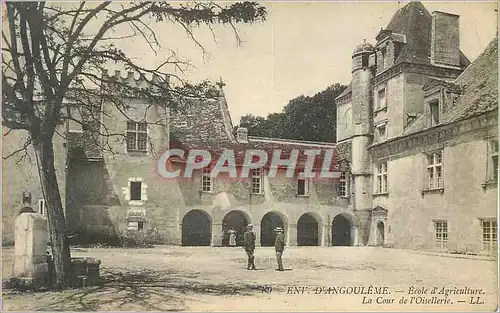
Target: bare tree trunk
{"points": [[55, 215]]}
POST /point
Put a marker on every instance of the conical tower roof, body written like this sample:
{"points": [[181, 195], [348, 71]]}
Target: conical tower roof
{"points": [[415, 22]]}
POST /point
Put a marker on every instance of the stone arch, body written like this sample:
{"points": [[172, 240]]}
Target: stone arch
{"points": [[344, 227], [309, 229], [236, 220], [196, 228], [268, 223], [380, 233]]}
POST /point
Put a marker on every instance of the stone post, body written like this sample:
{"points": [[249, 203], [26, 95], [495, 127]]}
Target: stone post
{"points": [[216, 235], [30, 248]]}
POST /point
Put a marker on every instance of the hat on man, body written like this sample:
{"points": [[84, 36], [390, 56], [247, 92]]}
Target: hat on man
{"points": [[278, 229]]}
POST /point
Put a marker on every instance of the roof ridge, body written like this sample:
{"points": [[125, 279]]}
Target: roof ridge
{"points": [[493, 44], [292, 141]]}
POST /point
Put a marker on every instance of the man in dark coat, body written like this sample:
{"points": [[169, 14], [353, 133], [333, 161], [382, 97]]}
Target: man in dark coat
{"points": [[279, 246], [249, 245]]}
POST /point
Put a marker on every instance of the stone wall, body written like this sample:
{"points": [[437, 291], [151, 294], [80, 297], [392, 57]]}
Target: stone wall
{"points": [[169, 201], [99, 190], [21, 174], [395, 106], [414, 95], [463, 202], [344, 121]]}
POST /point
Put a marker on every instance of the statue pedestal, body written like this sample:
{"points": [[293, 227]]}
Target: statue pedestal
{"points": [[30, 248]]}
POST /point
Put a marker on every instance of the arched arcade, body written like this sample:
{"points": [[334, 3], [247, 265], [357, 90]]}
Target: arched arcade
{"points": [[309, 230], [343, 230], [196, 228], [235, 220], [268, 224]]}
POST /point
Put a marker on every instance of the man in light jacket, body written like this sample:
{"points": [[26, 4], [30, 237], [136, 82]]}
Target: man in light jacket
{"points": [[279, 246]]}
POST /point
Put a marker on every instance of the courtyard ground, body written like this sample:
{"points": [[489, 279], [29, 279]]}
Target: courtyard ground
{"points": [[215, 279]]}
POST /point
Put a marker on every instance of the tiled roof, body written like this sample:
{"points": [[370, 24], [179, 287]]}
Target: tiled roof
{"points": [[479, 84], [414, 21], [207, 125], [346, 91], [269, 146], [198, 120]]}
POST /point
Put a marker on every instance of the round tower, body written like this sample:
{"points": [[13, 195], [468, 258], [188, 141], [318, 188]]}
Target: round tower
{"points": [[362, 121]]}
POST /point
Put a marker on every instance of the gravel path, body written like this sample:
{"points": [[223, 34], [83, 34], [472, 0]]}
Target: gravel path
{"points": [[215, 279]]}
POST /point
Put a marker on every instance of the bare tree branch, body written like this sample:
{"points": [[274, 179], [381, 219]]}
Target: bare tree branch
{"points": [[24, 148], [53, 73]]}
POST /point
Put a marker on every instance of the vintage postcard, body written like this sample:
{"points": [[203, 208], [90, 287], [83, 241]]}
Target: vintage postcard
{"points": [[250, 156]]}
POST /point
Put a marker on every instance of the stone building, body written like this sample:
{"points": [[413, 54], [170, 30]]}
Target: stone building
{"points": [[121, 193], [417, 154], [118, 192], [422, 124]]}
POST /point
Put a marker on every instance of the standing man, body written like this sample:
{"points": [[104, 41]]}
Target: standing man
{"points": [[249, 245], [279, 246]]}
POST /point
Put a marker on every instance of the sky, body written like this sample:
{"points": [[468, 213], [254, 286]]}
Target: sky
{"points": [[300, 49]]}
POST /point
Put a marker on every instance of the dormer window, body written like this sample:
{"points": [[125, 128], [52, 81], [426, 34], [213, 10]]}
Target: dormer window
{"points": [[434, 112], [383, 61], [454, 98]]}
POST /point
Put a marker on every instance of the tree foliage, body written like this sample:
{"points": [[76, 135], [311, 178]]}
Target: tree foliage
{"points": [[53, 62], [303, 118]]}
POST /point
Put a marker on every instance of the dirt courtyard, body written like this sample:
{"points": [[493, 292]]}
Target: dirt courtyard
{"points": [[215, 279]]}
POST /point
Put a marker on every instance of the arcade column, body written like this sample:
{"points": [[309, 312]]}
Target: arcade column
{"points": [[216, 235], [256, 230], [325, 234], [291, 235], [355, 236], [178, 235]]}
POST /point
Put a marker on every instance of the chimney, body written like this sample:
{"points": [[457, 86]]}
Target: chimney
{"points": [[130, 76], [118, 74], [445, 39], [242, 135]]}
